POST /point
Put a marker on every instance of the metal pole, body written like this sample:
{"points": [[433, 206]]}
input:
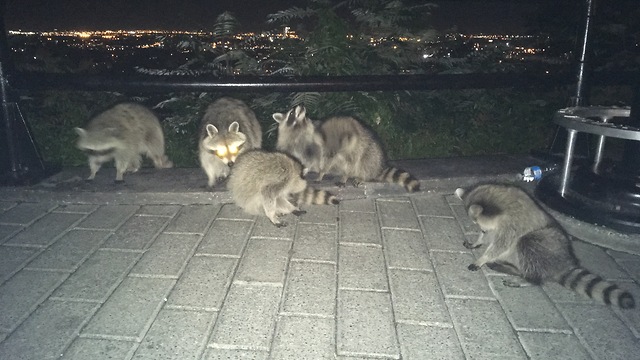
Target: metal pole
{"points": [[568, 160], [581, 88], [24, 164], [6, 118]]}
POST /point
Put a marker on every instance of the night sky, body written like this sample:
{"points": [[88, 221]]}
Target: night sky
{"points": [[470, 16]]}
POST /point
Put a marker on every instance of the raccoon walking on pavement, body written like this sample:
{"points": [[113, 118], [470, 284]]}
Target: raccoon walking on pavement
{"points": [[264, 182], [123, 133], [523, 239], [341, 146], [228, 128]]}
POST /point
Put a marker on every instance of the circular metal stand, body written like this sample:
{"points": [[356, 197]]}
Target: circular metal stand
{"points": [[588, 193]]}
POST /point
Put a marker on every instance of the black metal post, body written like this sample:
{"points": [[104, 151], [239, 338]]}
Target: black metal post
{"points": [[583, 82], [22, 164], [580, 98]]}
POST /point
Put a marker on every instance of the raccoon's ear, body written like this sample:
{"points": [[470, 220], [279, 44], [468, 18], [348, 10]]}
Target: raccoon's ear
{"points": [[460, 193], [212, 130], [80, 131], [278, 117], [234, 127]]}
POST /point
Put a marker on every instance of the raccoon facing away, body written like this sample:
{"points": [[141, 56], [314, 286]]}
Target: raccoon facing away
{"points": [[123, 133], [228, 128], [522, 239], [264, 182], [340, 146]]}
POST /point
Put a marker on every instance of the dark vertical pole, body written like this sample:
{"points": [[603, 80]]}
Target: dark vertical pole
{"points": [[22, 164], [9, 160], [581, 97]]}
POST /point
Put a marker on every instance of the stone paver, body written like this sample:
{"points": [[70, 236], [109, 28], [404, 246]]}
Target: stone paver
{"points": [[176, 334], [45, 229], [304, 338], [310, 288], [381, 277], [366, 324], [248, 317], [12, 259], [47, 332], [136, 233]]}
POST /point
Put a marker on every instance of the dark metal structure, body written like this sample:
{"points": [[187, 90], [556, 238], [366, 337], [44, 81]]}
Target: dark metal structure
{"points": [[20, 159], [601, 192]]}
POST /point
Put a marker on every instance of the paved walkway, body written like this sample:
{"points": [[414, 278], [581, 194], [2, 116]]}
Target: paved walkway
{"points": [[96, 271]]}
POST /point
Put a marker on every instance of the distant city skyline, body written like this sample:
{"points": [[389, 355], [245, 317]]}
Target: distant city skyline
{"points": [[468, 16]]}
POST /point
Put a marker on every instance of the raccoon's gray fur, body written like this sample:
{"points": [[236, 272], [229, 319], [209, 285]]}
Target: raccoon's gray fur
{"points": [[228, 128], [265, 183], [299, 137], [523, 239], [124, 133], [339, 146]]}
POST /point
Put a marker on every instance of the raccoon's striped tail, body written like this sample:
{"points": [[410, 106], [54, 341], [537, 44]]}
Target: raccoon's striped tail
{"points": [[584, 282], [312, 196], [394, 175]]}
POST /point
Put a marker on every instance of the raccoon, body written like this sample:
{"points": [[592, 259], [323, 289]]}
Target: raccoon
{"points": [[524, 240], [266, 182], [123, 133], [228, 128], [299, 137], [339, 146]]}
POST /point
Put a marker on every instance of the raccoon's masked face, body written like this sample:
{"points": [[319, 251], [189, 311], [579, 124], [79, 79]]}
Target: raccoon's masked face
{"points": [[294, 119], [227, 146], [97, 143]]}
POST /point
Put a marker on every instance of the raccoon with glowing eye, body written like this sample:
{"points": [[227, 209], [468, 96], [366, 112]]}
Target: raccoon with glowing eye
{"points": [[229, 127]]}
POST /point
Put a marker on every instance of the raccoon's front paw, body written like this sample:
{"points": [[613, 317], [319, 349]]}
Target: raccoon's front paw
{"points": [[298, 212], [473, 267], [514, 283], [280, 224], [469, 245], [356, 183]]}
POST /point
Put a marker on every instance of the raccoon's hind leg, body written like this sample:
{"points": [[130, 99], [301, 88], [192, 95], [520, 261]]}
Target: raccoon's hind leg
{"points": [[510, 269], [134, 164], [94, 165], [270, 205], [286, 207], [154, 149], [161, 161], [126, 162]]}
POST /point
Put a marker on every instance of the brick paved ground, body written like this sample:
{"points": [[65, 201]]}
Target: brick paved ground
{"points": [[376, 277]]}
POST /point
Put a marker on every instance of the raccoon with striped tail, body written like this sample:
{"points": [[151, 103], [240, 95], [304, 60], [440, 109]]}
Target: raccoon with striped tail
{"points": [[228, 128], [341, 146], [123, 133], [522, 239], [264, 182]]}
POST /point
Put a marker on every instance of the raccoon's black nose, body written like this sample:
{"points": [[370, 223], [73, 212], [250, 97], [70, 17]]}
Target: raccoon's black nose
{"points": [[230, 163]]}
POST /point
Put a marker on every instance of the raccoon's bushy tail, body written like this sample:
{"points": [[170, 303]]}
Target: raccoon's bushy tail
{"points": [[396, 176], [584, 282], [312, 196]]}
